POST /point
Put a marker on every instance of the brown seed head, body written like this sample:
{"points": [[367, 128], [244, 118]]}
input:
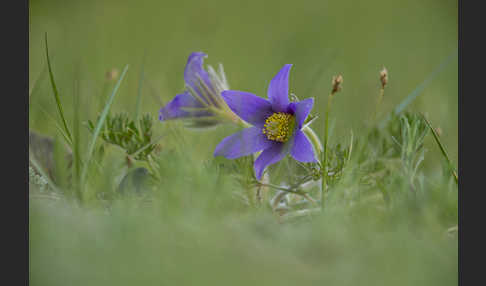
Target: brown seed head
{"points": [[336, 83], [384, 77], [438, 130], [111, 74]]}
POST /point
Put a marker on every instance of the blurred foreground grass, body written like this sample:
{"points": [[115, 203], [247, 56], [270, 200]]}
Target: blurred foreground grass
{"points": [[195, 229], [136, 246]]}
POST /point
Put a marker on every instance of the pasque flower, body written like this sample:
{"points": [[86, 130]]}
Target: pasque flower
{"points": [[201, 101], [276, 129]]}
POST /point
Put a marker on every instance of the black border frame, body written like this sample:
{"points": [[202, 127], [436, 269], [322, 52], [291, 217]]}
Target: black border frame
{"points": [[471, 81], [15, 206]]}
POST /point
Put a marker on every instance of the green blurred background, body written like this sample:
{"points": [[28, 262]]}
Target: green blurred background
{"points": [[253, 39]]}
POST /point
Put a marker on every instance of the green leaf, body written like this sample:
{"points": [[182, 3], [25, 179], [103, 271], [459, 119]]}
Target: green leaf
{"points": [[56, 95]]}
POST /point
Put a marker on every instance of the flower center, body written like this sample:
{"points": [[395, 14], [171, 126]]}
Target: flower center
{"points": [[279, 126]]}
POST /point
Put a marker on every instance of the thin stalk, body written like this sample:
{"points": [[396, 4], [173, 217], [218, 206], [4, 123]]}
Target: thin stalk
{"points": [[346, 163], [324, 156], [378, 104], [300, 193], [139, 91], [309, 198], [76, 144], [442, 149]]}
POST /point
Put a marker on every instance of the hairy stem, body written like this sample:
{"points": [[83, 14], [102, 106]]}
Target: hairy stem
{"points": [[378, 104], [324, 156]]}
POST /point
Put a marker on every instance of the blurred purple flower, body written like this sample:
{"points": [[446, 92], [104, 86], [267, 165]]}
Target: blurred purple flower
{"points": [[276, 129], [201, 100]]}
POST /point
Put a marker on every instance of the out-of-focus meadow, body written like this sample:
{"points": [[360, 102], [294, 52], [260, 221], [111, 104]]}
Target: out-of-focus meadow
{"points": [[196, 231]]}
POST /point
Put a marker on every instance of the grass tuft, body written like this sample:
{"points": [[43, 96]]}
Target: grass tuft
{"points": [[99, 125]]}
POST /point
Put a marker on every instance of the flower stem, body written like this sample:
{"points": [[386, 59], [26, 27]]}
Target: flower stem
{"points": [[324, 156], [378, 104], [226, 115]]}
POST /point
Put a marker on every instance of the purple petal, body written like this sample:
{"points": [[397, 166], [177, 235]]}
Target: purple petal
{"points": [[301, 110], [245, 142], [194, 70], [268, 157], [278, 90], [302, 148], [249, 107], [175, 108]]}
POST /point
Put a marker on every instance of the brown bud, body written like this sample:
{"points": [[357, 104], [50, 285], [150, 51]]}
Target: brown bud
{"points": [[158, 148], [438, 130], [111, 74], [384, 77], [336, 83]]}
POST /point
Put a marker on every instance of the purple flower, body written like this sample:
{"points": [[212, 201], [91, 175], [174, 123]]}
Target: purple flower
{"points": [[201, 101], [276, 129]]}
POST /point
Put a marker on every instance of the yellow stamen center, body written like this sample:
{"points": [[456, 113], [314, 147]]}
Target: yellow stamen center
{"points": [[279, 126]]}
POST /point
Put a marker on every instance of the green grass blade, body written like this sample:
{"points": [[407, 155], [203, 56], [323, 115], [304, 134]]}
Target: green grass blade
{"points": [[422, 86], [99, 125], [56, 93], [139, 92], [76, 141], [442, 148]]}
